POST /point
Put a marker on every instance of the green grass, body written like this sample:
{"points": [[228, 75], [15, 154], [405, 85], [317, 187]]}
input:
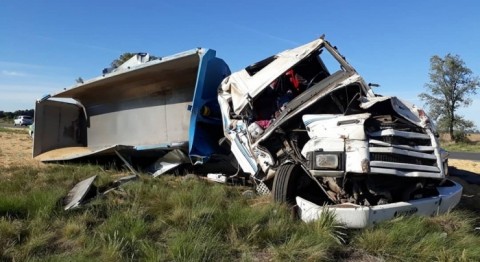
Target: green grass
{"points": [[175, 219], [462, 147], [448, 237]]}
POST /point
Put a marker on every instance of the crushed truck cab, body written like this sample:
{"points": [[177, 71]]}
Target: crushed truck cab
{"points": [[304, 124]]}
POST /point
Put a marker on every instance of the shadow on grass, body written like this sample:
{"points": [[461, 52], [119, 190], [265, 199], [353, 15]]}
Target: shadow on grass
{"points": [[470, 177], [471, 188]]}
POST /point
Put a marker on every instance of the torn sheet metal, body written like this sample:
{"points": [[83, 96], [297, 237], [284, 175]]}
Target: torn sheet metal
{"points": [[85, 190], [242, 85], [79, 192], [168, 162], [404, 108], [117, 183]]}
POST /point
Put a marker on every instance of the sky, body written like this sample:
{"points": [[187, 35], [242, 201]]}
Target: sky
{"points": [[46, 44]]}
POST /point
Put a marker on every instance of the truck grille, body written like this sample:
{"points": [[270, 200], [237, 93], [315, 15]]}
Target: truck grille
{"points": [[401, 151], [405, 141], [402, 159]]}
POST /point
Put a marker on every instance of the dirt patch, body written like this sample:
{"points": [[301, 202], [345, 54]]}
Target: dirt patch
{"points": [[467, 174], [16, 150], [467, 165], [470, 195]]}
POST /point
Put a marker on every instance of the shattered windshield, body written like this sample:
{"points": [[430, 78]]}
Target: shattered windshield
{"points": [[330, 63], [297, 80]]}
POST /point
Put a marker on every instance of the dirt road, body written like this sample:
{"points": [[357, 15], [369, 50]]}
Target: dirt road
{"points": [[465, 156]]}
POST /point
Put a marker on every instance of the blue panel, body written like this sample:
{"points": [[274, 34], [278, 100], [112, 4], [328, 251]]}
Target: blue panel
{"points": [[206, 123]]}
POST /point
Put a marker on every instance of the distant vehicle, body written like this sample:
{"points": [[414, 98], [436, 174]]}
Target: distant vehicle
{"points": [[22, 120]]}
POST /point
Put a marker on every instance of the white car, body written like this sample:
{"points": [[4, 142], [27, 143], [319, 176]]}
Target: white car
{"points": [[23, 120]]}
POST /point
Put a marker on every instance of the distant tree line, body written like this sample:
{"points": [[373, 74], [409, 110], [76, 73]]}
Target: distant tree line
{"points": [[11, 115]]}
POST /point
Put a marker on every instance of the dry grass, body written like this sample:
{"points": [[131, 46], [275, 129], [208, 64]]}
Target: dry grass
{"points": [[467, 165], [16, 149], [471, 137], [474, 137], [471, 144]]}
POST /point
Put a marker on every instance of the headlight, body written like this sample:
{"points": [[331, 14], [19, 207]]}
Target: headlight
{"points": [[325, 160]]}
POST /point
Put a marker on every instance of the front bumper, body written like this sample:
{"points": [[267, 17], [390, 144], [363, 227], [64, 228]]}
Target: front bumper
{"points": [[356, 216]]}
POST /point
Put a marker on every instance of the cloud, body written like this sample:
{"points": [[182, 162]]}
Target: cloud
{"points": [[13, 73], [10, 64]]}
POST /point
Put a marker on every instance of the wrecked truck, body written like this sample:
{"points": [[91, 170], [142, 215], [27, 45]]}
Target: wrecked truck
{"points": [[145, 109], [302, 125], [307, 127]]}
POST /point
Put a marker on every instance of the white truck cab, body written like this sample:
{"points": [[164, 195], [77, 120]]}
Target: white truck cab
{"points": [[305, 125]]}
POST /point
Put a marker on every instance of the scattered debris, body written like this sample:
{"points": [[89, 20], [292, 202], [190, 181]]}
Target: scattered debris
{"points": [[85, 190], [168, 162], [129, 166], [82, 191], [220, 178]]}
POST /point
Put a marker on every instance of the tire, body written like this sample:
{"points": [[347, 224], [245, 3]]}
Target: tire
{"points": [[284, 189], [445, 167]]}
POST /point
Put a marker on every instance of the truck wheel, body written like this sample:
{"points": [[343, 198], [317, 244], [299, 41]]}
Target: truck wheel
{"points": [[445, 167], [285, 183]]}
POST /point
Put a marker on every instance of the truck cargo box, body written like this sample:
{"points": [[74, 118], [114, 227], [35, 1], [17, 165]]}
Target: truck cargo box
{"points": [[142, 107]]}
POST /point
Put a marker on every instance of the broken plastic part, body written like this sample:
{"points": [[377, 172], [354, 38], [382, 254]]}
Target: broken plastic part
{"points": [[220, 178]]}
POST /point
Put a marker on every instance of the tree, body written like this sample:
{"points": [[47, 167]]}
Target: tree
{"points": [[125, 56], [121, 59], [451, 85], [79, 80]]}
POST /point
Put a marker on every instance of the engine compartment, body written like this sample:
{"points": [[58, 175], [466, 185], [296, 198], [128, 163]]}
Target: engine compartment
{"points": [[285, 144]]}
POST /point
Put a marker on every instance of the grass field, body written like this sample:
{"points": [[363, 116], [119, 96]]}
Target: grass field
{"points": [[177, 219], [472, 144]]}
